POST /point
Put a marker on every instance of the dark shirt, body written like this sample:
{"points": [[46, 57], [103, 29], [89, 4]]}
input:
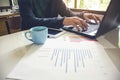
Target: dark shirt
{"points": [[50, 18]]}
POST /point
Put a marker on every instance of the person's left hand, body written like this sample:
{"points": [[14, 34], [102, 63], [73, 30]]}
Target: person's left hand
{"points": [[90, 16]]}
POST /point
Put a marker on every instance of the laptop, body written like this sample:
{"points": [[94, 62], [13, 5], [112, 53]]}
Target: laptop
{"points": [[109, 22]]}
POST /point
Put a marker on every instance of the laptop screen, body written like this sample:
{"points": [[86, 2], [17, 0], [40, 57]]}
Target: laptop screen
{"points": [[109, 21]]}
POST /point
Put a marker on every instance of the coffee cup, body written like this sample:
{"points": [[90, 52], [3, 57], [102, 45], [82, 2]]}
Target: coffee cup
{"points": [[37, 34]]}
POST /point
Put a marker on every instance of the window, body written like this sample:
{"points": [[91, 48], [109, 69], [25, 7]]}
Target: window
{"points": [[100, 5], [15, 4]]}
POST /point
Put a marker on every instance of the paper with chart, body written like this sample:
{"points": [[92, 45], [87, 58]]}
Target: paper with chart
{"points": [[71, 62]]}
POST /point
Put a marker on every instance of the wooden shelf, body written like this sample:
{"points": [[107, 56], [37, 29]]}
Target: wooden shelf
{"points": [[3, 26]]}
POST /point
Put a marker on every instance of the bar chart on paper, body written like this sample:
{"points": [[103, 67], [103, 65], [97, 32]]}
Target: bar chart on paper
{"points": [[66, 63], [65, 56]]}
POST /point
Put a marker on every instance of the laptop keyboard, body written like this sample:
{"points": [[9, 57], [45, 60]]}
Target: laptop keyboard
{"points": [[91, 28]]}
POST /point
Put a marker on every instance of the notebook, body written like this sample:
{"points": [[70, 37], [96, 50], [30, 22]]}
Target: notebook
{"points": [[109, 22]]}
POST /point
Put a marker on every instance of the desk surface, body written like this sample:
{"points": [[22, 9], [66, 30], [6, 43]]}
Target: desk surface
{"points": [[14, 46]]}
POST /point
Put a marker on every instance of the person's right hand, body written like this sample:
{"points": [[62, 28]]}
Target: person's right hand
{"points": [[77, 22]]}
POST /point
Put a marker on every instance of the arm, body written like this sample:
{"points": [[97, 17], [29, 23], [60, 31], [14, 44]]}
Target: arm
{"points": [[29, 20]]}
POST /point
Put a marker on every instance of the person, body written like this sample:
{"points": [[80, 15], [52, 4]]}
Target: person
{"points": [[46, 12]]}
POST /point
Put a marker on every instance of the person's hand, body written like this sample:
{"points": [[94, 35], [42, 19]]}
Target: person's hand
{"points": [[90, 16], [77, 22]]}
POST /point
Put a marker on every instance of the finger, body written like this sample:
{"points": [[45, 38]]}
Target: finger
{"points": [[98, 18], [81, 23], [87, 19], [95, 18], [76, 26]]}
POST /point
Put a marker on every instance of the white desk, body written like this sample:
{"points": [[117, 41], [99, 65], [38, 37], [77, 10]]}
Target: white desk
{"points": [[111, 43], [14, 46]]}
